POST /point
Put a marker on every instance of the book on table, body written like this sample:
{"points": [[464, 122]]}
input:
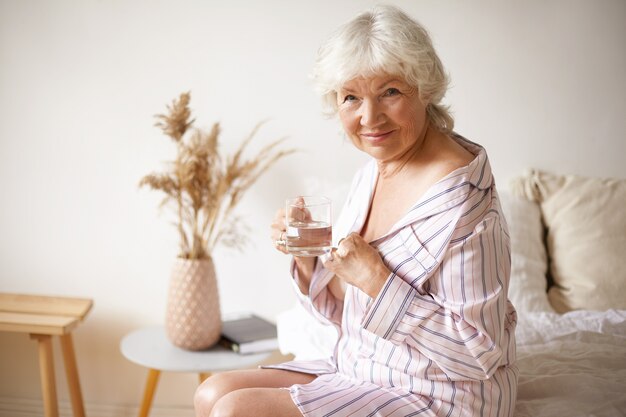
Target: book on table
{"points": [[249, 334]]}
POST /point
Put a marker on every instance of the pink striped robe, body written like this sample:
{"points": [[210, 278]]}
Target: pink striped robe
{"points": [[439, 338]]}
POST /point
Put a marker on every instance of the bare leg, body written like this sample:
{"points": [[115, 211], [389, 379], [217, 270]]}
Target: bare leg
{"points": [[257, 402], [219, 386]]}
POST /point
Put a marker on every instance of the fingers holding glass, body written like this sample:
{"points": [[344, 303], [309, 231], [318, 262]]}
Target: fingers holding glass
{"points": [[308, 226], [281, 240], [297, 210], [278, 231]]}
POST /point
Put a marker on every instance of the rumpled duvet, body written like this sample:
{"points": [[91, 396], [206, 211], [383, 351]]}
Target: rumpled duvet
{"points": [[572, 365]]}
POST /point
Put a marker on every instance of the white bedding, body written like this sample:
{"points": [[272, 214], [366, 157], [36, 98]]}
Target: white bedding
{"points": [[572, 364]]}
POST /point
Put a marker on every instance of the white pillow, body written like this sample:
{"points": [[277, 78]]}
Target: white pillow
{"points": [[529, 261]]}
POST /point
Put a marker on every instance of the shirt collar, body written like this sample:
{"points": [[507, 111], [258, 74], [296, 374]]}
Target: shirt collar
{"points": [[445, 194]]}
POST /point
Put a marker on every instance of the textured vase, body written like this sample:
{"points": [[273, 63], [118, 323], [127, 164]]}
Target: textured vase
{"points": [[193, 318]]}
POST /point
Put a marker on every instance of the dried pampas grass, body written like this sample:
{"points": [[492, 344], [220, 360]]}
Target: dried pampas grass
{"points": [[203, 186]]}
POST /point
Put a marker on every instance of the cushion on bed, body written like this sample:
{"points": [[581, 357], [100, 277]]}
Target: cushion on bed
{"points": [[586, 238], [529, 261]]}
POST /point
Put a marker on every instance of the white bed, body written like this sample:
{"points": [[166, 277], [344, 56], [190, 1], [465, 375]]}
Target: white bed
{"points": [[571, 340]]}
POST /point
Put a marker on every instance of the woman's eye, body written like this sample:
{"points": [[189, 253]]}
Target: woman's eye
{"points": [[349, 98], [391, 92]]}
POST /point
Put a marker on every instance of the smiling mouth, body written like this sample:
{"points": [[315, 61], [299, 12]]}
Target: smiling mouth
{"points": [[376, 137]]}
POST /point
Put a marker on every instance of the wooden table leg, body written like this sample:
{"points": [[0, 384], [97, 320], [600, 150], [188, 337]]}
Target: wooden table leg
{"points": [[148, 394], [46, 372], [203, 375], [71, 370]]}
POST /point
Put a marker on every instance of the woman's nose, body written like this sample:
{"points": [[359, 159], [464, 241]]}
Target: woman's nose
{"points": [[372, 113]]}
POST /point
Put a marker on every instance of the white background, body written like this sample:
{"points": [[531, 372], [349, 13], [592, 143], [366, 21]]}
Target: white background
{"points": [[539, 83]]}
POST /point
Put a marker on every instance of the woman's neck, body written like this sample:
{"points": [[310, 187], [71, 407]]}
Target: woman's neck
{"points": [[414, 156]]}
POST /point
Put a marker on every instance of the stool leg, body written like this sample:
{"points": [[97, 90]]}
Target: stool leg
{"points": [[148, 394], [203, 375], [71, 370], [46, 371]]}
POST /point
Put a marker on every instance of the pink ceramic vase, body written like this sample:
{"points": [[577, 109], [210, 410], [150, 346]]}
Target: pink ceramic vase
{"points": [[193, 319]]}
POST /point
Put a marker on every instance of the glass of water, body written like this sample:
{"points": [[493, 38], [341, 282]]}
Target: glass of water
{"points": [[309, 226]]}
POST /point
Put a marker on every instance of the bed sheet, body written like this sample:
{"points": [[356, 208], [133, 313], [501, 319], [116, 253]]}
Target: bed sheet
{"points": [[572, 364]]}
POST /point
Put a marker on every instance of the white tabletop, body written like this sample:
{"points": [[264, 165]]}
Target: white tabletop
{"points": [[150, 347]]}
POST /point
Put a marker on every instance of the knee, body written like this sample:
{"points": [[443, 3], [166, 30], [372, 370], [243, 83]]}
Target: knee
{"points": [[209, 393], [230, 405], [204, 399]]}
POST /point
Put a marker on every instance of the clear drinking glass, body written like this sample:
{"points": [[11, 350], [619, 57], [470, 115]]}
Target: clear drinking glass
{"points": [[309, 226]]}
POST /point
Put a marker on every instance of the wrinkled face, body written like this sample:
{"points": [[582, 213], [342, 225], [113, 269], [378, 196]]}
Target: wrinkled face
{"points": [[383, 115]]}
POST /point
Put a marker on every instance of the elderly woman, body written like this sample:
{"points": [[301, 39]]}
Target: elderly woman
{"points": [[417, 287]]}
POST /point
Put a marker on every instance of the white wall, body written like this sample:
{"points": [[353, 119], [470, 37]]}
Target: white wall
{"points": [[540, 84]]}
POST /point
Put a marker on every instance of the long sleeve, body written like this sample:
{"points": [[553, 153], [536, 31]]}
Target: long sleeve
{"points": [[451, 309], [320, 302]]}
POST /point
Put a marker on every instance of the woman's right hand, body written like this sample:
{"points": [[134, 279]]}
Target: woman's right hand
{"points": [[304, 265], [278, 230]]}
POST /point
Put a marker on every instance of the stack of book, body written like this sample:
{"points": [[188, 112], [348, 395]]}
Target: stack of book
{"points": [[249, 334]]}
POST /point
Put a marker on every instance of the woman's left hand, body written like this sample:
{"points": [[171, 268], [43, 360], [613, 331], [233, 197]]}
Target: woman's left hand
{"points": [[357, 263]]}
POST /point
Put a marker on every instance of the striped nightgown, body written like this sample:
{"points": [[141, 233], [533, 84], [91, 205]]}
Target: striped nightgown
{"points": [[439, 339]]}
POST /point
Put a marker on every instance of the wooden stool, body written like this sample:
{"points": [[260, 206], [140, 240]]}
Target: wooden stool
{"points": [[43, 317]]}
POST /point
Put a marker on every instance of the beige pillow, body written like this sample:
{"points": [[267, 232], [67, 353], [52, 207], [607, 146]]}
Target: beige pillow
{"points": [[586, 238], [529, 261]]}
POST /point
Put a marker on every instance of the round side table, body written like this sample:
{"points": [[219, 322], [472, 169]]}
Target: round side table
{"points": [[149, 347]]}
